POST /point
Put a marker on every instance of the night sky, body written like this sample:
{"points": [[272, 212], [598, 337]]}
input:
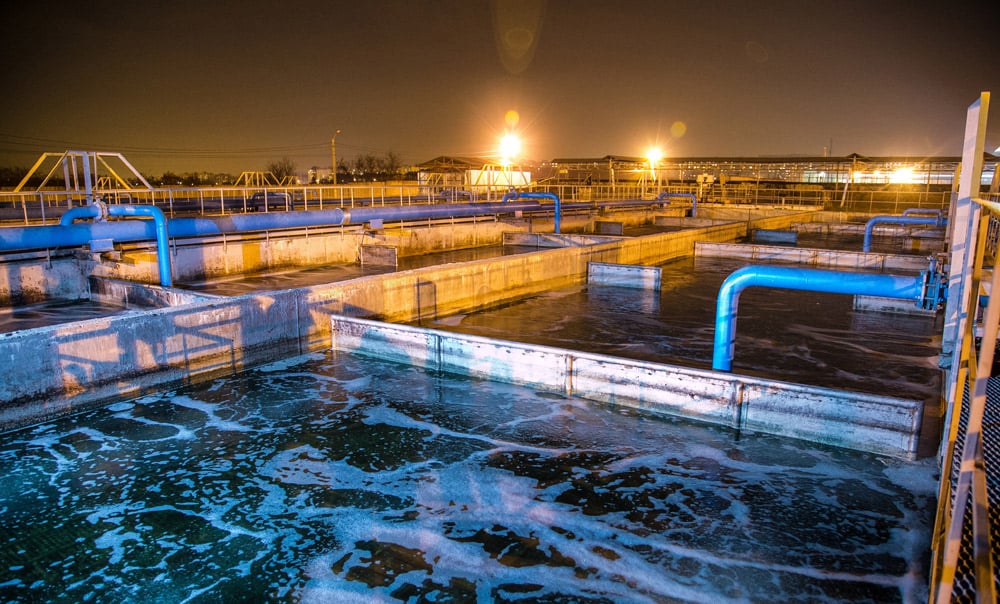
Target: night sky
{"points": [[229, 86]]}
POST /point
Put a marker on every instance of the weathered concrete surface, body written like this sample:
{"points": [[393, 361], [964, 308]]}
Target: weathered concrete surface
{"points": [[876, 424], [129, 294], [624, 275], [55, 369], [677, 221], [34, 277], [383, 255], [608, 227], [813, 256], [552, 240]]}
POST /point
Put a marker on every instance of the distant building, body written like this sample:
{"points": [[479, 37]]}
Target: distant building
{"points": [[318, 175], [936, 171], [448, 172]]}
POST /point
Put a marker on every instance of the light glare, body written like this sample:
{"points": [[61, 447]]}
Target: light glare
{"points": [[510, 146]]}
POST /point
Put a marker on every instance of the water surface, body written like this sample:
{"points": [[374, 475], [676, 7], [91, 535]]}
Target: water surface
{"points": [[333, 478]]}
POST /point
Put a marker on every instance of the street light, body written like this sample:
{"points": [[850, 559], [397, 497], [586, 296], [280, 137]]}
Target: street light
{"points": [[333, 155]]}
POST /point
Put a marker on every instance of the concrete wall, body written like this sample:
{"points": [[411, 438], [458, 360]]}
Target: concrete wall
{"points": [[129, 294], [882, 425], [56, 369], [34, 277], [813, 257]]}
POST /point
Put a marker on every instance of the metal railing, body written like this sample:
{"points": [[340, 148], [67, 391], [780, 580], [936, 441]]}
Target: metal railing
{"points": [[45, 207], [963, 568]]}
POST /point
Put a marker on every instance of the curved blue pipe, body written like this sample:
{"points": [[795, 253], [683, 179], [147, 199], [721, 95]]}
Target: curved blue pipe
{"points": [[160, 229], [866, 246], [87, 211], [833, 282], [513, 194], [99, 210], [691, 196]]}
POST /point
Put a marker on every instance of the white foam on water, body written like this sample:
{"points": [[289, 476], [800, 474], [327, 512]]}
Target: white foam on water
{"points": [[209, 409], [485, 487], [289, 363]]}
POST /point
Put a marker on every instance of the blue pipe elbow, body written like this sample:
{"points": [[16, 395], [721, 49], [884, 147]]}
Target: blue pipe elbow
{"points": [[159, 227], [533, 195], [80, 212], [833, 282], [866, 246]]}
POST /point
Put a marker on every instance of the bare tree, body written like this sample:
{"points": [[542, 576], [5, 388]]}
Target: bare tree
{"points": [[283, 168]]}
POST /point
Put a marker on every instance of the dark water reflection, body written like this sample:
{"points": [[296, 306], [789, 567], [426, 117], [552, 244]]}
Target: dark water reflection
{"points": [[338, 479], [54, 312]]}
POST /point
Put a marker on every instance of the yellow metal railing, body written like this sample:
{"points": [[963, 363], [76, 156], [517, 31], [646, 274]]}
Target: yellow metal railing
{"points": [[964, 477]]}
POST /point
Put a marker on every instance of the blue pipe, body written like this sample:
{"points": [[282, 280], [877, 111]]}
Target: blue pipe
{"points": [[100, 211], [691, 196], [514, 194], [93, 210], [870, 225], [162, 240], [68, 234], [833, 282]]}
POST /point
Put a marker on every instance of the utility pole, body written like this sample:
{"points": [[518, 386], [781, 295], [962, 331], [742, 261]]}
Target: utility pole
{"points": [[333, 156]]}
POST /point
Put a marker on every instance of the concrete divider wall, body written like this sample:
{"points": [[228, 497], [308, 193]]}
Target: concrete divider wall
{"points": [[876, 424], [53, 369], [129, 294], [33, 278], [813, 256]]}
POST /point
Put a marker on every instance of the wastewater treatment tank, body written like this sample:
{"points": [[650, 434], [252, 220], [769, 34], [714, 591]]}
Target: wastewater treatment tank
{"points": [[331, 477]]}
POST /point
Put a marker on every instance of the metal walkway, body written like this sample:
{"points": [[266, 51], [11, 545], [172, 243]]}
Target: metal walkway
{"points": [[965, 587]]}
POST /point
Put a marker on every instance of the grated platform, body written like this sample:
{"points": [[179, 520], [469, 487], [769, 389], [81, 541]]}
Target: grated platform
{"points": [[964, 589]]}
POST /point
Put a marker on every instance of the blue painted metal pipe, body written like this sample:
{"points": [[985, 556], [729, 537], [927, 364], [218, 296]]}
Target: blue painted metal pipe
{"points": [[866, 246], [160, 229], [833, 282], [100, 211], [514, 194], [94, 210], [73, 235], [691, 196]]}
